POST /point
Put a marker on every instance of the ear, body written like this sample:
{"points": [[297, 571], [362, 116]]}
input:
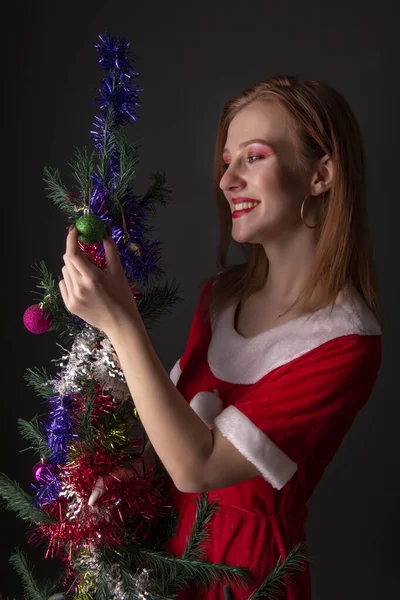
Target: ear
{"points": [[322, 178]]}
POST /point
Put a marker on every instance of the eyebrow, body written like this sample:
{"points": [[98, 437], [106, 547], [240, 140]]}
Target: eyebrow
{"points": [[255, 141]]}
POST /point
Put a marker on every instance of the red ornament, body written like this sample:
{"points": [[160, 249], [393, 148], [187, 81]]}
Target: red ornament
{"points": [[36, 321]]}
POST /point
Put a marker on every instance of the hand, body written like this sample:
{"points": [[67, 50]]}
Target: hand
{"points": [[140, 466], [98, 297]]}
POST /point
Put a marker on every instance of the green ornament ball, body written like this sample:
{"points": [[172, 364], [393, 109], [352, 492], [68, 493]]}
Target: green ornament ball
{"points": [[90, 228]]}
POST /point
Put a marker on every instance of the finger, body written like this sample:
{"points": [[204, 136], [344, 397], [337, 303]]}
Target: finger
{"points": [[72, 246], [97, 491], [114, 265], [82, 264], [69, 286], [63, 291], [71, 278]]}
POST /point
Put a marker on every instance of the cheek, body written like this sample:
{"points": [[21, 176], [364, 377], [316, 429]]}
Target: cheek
{"points": [[289, 180], [270, 179]]}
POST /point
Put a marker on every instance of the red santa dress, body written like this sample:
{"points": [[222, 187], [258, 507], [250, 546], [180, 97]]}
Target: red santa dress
{"points": [[285, 399]]}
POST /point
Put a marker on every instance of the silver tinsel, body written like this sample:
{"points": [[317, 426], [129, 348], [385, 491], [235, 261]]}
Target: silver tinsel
{"points": [[142, 584], [77, 506], [77, 365], [90, 565], [91, 356], [108, 372]]}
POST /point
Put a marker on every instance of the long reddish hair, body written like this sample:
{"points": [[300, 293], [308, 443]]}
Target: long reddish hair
{"points": [[324, 123]]}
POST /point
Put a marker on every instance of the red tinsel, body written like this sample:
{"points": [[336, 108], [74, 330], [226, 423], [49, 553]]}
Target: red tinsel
{"points": [[127, 507], [102, 403], [96, 252]]}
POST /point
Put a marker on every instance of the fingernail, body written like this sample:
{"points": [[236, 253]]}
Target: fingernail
{"points": [[93, 497], [71, 227]]}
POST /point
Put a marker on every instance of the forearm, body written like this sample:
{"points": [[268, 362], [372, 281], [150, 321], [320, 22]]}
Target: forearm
{"points": [[179, 437]]}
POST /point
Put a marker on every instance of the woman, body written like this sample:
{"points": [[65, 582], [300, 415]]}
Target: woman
{"points": [[284, 349]]}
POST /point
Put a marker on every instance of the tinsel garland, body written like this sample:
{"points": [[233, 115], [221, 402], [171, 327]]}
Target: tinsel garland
{"points": [[92, 431]]}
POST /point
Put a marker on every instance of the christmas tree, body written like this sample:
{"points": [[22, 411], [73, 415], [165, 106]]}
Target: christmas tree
{"points": [[113, 550]]}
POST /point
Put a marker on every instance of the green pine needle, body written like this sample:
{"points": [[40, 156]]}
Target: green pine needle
{"points": [[82, 170], [46, 285], [172, 572], [156, 193], [274, 584], [199, 535], [40, 381], [31, 431], [157, 301], [58, 193], [110, 143], [32, 590], [87, 430], [128, 160], [17, 500], [64, 323]]}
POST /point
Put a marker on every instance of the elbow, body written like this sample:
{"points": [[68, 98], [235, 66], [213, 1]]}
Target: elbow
{"points": [[189, 484], [189, 488]]}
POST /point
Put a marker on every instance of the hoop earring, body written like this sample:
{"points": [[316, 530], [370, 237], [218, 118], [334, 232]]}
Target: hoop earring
{"points": [[301, 214]]}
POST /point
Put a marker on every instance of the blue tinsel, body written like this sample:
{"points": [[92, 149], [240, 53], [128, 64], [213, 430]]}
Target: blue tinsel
{"points": [[118, 100], [118, 92], [59, 435]]}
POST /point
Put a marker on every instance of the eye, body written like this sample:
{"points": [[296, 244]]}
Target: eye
{"points": [[224, 166], [254, 156]]}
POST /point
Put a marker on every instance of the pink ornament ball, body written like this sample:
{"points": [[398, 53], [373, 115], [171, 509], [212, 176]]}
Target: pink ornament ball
{"points": [[35, 321], [38, 471], [42, 471]]}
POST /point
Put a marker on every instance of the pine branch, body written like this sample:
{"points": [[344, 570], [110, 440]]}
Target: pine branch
{"points": [[31, 431], [17, 500], [87, 430], [58, 193], [109, 145], [64, 323], [46, 286], [32, 590], [157, 301], [172, 572], [156, 193], [199, 535], [128, 159], [82, 169], [40, 381], [274, 584]]}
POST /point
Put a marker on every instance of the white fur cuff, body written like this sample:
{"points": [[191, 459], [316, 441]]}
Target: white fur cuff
{"points": [[175, 372], [274, 465]]}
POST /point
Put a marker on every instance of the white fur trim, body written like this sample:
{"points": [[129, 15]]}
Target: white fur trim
{"points": [[207, 405], [236, 359], [274, 465], [175, 372]]}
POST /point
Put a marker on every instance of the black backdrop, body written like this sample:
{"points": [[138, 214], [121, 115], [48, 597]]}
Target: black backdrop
{"points": [[191, 59]]}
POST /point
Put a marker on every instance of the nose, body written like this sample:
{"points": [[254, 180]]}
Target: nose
{"points": [[231, 180]]}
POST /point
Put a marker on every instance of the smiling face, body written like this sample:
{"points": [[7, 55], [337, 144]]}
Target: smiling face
{"points": [[265, 170]]}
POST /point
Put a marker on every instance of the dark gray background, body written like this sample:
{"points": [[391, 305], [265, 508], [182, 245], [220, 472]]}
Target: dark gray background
{"points": [[191, 59]]}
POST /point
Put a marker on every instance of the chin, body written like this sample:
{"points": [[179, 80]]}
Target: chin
{"points": [[244, 239]]}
